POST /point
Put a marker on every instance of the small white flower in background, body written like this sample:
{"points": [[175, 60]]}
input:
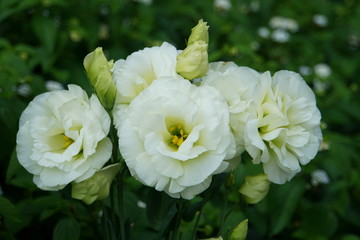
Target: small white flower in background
{"points": [[237, 85], [320, 86], [52, 85], [24, 90], [322, 70], [305, 70], [319, 177], [280, 36], [146, 2], [224, 5], [62, 137], [320, 20], [141, 204], [263, 32], [284, 129], [175, 136], [288, 24], [138, 71]]}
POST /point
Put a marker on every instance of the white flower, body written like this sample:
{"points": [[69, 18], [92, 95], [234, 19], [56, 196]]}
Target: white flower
{"points": [[280, 35], [146, 2], [320, 86], [305, 70], [320, 20], [284, 131], [52, 85], [24, 90], [319, 177], [263, 32], [237, 85], [279, 22], [62, 138], [222, 4], [322, 70], [138, 71], [175, 136]]}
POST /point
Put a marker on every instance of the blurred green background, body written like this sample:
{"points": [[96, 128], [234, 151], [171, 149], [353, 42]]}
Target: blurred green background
{"points": [[42, 46]]}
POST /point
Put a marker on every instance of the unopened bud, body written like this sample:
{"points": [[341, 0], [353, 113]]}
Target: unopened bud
{"points": [[98, 69], [96, 187], [199, 33], [240, 231], [255, 188], [193, 61]]}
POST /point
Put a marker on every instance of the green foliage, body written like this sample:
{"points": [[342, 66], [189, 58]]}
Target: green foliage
{"points": [[43, 40]]}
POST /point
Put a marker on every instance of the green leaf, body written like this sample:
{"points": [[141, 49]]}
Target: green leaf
{"points": [[160, 209], [350, 237], [318, 222], [67, 229], [16, 175], [191, 210], [288, 196], [46, 31], [9, 210]]}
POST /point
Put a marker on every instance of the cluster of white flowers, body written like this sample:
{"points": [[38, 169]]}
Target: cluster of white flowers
{"points": [[174, 135], [281, 28]]}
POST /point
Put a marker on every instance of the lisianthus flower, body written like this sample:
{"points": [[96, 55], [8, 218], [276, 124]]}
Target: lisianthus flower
{"points": [[284, 131], [138, 71], [62, 137], [237, 85], [175, 136]]}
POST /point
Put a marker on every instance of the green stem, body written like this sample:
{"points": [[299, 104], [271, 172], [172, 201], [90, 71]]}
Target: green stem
{"points": [[224, 212], [121, 207], [181, 207], [193, 235], [117, 192]]}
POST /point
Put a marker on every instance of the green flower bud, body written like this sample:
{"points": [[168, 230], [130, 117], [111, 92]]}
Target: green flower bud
{"points": [[98, 70], [240, 231], [96, 187], [199, 33], [193, 61], [230, 180], [255, 188]]}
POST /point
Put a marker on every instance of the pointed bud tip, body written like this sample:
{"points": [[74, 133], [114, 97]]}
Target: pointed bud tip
{"points": [[199, 33]]}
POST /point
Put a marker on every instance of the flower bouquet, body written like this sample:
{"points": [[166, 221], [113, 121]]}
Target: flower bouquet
{"points": [[178, 125]]}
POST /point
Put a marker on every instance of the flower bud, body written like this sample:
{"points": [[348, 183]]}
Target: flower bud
{"points": [[199, 33], [98, 70], [240, 231], [230, 180], [193, 61], [255, 188], [96, 187]]}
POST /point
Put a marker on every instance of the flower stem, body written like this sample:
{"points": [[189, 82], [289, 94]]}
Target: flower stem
{"points": [[121, 207], [180, 211], [224, 212]]}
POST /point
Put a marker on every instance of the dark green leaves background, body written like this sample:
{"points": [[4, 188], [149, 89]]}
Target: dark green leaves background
{"points": [[42, 40]]}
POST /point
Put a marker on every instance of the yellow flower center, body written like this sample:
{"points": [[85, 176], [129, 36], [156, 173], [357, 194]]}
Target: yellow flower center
{"points": [[178, 135], [68, 141]]}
